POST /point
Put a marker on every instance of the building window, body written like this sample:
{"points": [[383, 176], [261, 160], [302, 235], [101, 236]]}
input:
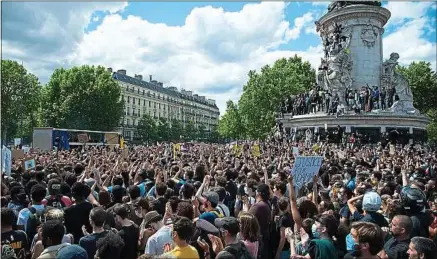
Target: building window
{"points": [[138, 90], [128, 99], [139, 102], [127, 122], [133, 112], [150, 104], [144, 102], [133, 100]]}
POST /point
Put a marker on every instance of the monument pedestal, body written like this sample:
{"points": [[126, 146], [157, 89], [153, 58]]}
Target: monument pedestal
{"points": [[365, 124]]}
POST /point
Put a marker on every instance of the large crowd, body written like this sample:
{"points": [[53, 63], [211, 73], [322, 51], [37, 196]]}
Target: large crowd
{"points": [[218, 201], [365, 99]]}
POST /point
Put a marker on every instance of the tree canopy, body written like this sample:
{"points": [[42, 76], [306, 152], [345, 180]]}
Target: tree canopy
{"points": [[84, 97], [20, 100], [264, 92], [423, 83]]}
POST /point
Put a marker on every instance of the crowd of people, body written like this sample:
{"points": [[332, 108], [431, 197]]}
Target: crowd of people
{"points": [[353, 101], [366, 201]]}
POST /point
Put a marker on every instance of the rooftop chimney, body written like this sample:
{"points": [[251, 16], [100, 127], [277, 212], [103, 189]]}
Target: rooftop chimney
{"points": [[150, 78], [139, 77], [109, 69], [122, 71]]}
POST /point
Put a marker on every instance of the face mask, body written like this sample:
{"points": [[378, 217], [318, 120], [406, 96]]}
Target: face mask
{"points": [[316, 234]]}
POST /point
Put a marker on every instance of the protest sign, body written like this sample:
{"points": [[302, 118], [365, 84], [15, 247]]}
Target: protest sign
{"points": [[29, 164], [17, 154], [176, 150], [17, 141], [305, 168], [6, 160], [392, 149], [295, 151], [26, 149], [255, 150]]}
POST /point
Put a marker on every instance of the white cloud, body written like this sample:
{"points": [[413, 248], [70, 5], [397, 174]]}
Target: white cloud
{"points": [[321, 3], [210, 54], [408, 38], [96, 18], [402, 11]]}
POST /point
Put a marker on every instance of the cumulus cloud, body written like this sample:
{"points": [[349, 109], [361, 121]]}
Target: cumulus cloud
{"points": [[211, 53]]}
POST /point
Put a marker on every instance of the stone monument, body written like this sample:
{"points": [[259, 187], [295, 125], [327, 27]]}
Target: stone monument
{"points": [[351, 34]]}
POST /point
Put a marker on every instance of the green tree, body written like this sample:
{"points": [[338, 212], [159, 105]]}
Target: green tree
{"points": [[423, 83], [176, 130], [83, 97], [147, 128], [201, 131], [265, 91], [163, 129], [20, 93], [230, 125], [189, 131]]}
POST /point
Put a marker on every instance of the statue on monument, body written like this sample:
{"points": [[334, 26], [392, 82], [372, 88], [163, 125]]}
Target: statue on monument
{"points": [[336, 68], [390, 79], [340, 4]]}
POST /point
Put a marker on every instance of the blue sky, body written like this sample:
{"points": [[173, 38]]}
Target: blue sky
{"points": [[207, 47]]}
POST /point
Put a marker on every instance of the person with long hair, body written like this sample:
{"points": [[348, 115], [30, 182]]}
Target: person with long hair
{"points": [[249, 232]]}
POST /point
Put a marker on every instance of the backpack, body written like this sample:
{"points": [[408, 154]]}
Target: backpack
{"points": [[33, 222], [221, 210], [218, 214], [239, 251]]}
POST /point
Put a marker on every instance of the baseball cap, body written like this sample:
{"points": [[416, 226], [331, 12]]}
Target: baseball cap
{"points": [[211, 197], [371, 201], [151, 217], [231, 224], [71, 252]]}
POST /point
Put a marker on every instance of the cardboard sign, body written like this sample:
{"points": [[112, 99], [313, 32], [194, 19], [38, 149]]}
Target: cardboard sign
{"points": [[17, 141], [305, 168], [83, 138], [18, 154], [29, 164]]}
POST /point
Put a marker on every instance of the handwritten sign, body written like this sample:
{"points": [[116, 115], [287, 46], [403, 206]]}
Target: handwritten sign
{"points": [[6, 160], [29, 164], [305, 168], [17, 141]]}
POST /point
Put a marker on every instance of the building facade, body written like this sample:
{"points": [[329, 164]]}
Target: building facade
{"points": [[151, 97]]}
